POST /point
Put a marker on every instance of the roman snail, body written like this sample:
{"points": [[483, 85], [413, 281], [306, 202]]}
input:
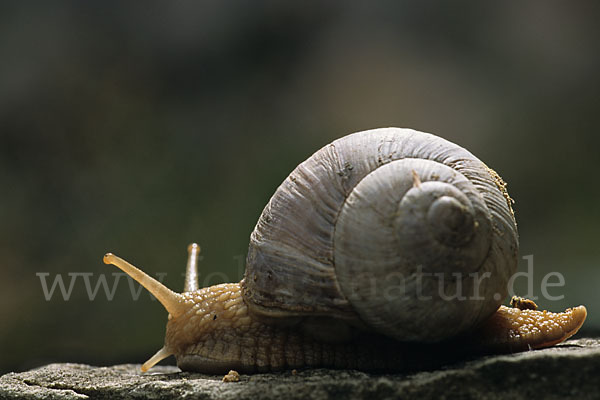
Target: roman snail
{"points": [[384, 249]]}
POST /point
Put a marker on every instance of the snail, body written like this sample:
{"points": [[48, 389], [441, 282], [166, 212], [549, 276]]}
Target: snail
{"points": [[383, 250]]}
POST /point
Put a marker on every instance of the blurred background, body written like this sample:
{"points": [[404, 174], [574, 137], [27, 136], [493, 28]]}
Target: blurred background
{"points": [[138, 129]]}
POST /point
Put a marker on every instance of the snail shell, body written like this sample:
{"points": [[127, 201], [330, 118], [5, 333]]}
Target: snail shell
{"points": [[369, 226]]}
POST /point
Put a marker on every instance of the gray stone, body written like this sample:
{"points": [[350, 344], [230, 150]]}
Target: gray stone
{"points": [[569, 370]]}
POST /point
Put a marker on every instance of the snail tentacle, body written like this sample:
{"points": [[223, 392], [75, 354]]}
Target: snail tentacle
{"points": [[173, 302], [191, 270], [156, 358]]}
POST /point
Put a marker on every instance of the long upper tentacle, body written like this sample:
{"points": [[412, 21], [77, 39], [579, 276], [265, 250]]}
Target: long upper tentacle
{"points": [[173, 302], [191, 270]]}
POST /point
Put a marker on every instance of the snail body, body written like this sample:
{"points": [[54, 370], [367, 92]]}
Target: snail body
{"points": [[382, 245]]}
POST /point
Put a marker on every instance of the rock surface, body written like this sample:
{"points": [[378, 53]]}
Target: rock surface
{"points": [[570, 370]]}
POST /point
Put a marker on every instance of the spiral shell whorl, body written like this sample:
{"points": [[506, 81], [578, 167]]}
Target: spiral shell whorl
{"points": [[309, 255], [406, 253]]}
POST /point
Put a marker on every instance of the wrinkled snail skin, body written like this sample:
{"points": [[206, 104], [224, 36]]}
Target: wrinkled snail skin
{"points": [[354, 263], [513, 329], [219, 334]]}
